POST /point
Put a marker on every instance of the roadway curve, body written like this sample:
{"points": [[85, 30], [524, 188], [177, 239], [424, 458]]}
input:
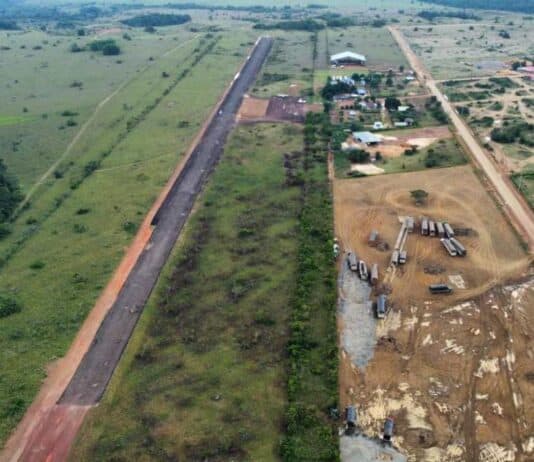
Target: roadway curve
{"points": [[51, 424], [514, 204]]}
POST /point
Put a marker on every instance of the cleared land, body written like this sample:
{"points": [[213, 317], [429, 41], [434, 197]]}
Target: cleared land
{"points": [[237, 262], [443, 367]]}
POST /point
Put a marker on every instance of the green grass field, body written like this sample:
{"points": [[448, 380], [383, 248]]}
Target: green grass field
{"points": [[376, 44], [524, 182], [77, 253], [207, 364]]}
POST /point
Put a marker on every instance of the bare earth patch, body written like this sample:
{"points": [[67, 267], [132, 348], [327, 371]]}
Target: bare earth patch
{"points": [[455, 372]]}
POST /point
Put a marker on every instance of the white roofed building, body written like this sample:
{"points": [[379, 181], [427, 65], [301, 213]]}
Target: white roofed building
{"points": [[347, 57]]}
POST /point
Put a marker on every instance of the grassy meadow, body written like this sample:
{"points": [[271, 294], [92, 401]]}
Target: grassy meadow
{"points": [[66, 244], [204, 375]]}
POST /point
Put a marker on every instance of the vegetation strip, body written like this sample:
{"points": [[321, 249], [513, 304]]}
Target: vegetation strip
{"points": [[207, 362], [311, 433]]}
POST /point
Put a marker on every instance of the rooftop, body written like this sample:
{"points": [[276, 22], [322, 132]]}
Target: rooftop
{"points": [[347, 55], [367, 137]]}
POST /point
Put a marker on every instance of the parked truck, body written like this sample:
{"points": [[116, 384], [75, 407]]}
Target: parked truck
{"points": [[449, 232], [424, 227], [364, 275], [440, 229], [389, 426], [352, 261], [374, 274], [449, 247], [431, 228], [460, 249], [381, 306]]}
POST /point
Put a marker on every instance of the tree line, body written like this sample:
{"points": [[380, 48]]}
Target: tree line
{"points": [[522, 6], [157, 19], [10, 196]]}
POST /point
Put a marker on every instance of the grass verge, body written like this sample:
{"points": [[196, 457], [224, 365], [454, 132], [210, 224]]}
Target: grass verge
{"points": [[313, 358], [204, 377]]}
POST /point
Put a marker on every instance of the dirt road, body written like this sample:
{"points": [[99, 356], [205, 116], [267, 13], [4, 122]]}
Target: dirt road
{"points": [[514, 204], [50, 425]]}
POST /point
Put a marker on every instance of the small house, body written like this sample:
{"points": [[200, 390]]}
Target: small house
{"points": [[378, 126]]}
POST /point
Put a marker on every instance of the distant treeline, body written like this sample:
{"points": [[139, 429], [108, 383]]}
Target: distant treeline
{"points": [[10, 194], [8, 25], [431, 15], [157, 19], [304, 24], [523, 6], [337, 20]]}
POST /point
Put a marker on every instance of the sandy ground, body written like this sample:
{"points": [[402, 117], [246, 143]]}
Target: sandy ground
{"points": [[455, 372], [514, 204], [275, 109], [37, 429], [252, 108]]}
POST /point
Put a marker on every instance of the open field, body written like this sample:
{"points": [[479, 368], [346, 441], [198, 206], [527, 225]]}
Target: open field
{"points": [[428, 364], [470, 50], [39, 82], [237, 256], [98, 218], [376, 44], [289, 69]]}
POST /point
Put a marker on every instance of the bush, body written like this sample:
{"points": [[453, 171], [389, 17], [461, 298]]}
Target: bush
{"points": [[157, 19], [8, 306], [359, 156], [75, 48], [108, 47], [37, 264], [111, 49]]}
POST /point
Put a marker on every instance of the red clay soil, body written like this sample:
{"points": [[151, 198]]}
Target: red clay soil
{"points": [[52, 437], [38, 437]]}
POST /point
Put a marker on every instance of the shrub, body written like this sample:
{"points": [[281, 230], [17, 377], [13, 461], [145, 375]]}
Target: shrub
{"points": [[8, 306], [37, 264], [111, 49]]}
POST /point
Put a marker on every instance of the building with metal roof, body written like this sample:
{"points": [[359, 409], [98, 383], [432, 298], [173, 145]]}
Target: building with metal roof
{"points": [[348, 57], [367, 137]]}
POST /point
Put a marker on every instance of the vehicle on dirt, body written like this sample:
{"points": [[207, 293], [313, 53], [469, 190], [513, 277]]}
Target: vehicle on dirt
{"points": [[352, 261], [440, 289]]}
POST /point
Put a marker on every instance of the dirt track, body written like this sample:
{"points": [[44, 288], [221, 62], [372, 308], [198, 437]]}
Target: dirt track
{"points": [[514, 203], [38, 437]]}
